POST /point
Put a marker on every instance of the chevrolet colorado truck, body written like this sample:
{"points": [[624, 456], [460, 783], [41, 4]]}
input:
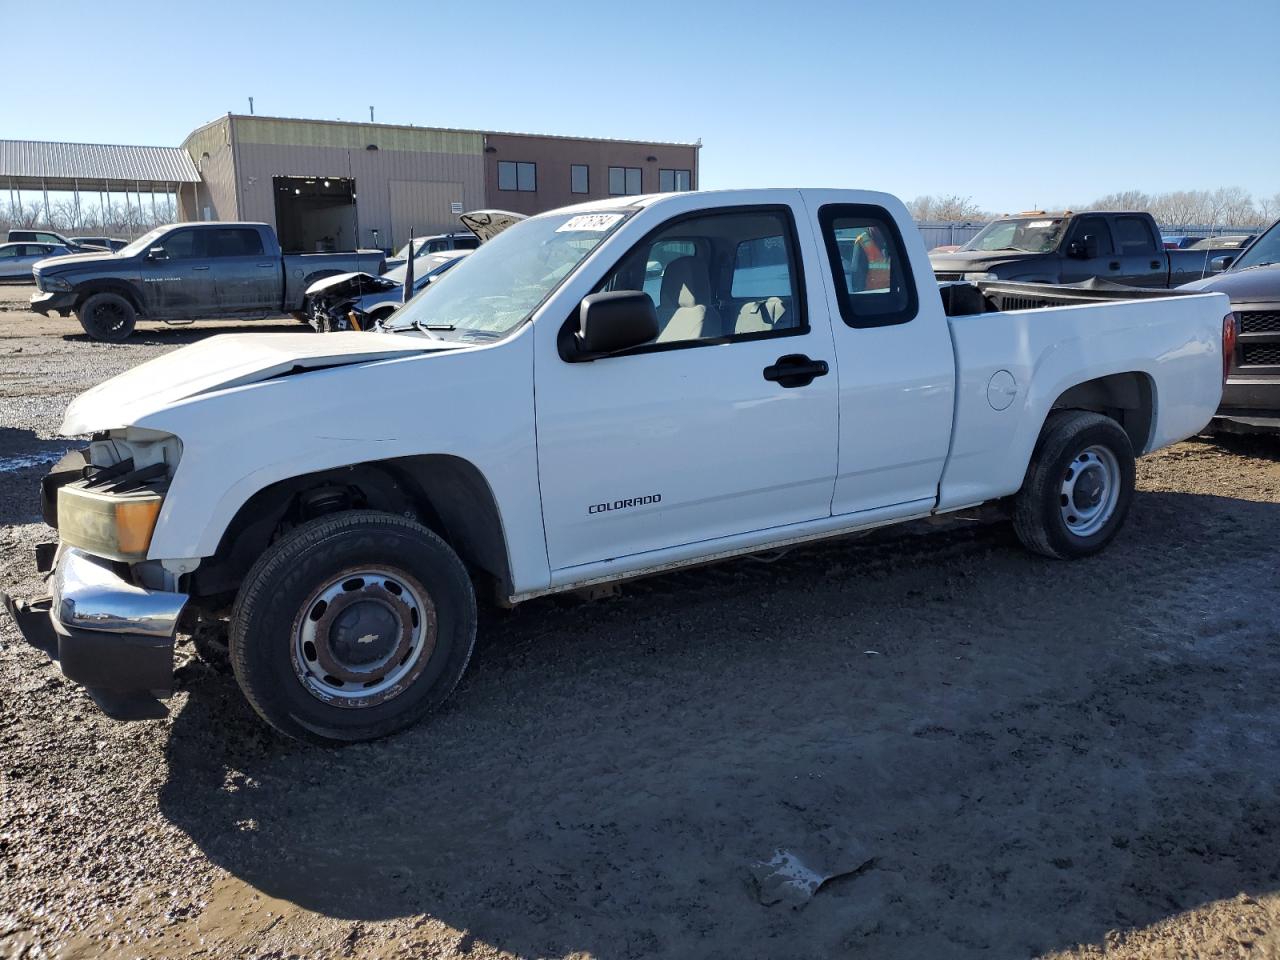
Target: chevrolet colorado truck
{"points": [[537, 422], [185, 272], [1038, 247]]}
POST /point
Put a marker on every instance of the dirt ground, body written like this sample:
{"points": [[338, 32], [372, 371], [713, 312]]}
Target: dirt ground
{"points": [[1000, 756]]}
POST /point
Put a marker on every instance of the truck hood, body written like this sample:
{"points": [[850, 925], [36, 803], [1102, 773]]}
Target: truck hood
{"points": [[51, 264], [1250, 285], [976, 261], [487, 224], [228, 360]]}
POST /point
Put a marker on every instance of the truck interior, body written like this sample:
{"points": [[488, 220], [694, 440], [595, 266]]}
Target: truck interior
{"points": [[315, 214]]}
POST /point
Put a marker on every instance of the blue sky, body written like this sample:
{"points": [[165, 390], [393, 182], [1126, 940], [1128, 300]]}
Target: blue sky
{"points": [[1017, 104]]}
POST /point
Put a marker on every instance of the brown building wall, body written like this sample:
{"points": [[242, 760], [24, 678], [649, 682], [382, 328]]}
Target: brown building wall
{"points": [[211, 151], [555, 155]]}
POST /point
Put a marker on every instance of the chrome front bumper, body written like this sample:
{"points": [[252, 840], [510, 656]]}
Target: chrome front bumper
{"points": [[106, 633], [89, 595]]}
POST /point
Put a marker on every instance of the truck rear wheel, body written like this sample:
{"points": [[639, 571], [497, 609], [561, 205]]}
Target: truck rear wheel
{"points": [[1078, 486], [352, 627], [107, 316]]}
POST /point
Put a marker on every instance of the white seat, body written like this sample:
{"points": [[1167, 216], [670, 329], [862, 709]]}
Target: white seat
{"points": [[758, 316], [684, 308]]}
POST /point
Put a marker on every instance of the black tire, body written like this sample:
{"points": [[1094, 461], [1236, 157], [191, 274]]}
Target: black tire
{"points": [[278, 603], [107, 316], [1043, 510]]}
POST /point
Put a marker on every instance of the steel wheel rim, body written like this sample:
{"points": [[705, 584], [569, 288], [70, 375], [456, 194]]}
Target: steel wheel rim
{"points": [[1090, 490], [363, 637]]}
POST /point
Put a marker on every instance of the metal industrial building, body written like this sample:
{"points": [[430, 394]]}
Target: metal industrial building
{"points": [[333, 185], [338, 185]]}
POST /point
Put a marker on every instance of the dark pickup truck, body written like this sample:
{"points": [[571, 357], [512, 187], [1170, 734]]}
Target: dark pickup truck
{"points": [[1251, 395], [1039, 247], [185, 272]]}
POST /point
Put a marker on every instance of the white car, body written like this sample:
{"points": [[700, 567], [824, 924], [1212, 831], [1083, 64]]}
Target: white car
{"points": [[537, 423], [330, 303], [17, 259]]}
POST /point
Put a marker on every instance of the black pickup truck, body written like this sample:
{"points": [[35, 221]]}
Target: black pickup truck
{"points": [[185, 272], [1251, 395], [1037, 247]]}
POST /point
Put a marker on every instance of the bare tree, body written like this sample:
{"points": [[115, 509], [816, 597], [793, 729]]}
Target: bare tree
{"points": [[950, 209]]}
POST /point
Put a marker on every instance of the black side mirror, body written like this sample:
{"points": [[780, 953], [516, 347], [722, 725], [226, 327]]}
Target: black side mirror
{"points": [[1218, 264], [609, 322], [157, 253]]}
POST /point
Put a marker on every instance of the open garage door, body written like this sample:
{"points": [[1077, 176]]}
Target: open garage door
{"points": [[426, 206], [315, 214]]}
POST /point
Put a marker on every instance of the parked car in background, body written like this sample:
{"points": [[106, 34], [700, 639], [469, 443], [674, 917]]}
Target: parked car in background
{"points": [[536, 423], [54, 239], [184, 272], [106, 243], [1179, 242], [1251, 397], [945, 248], [333, 303], [17, 260], [438, 243], [1038, 247], [360, 301], [1233, 242]]}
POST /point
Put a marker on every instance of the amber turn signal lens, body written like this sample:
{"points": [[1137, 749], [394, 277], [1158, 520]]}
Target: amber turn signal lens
{"points": [[135, 522]]}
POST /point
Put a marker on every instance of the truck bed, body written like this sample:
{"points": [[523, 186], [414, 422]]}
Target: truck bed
{"points": [[1036, 354], [303, 269]]}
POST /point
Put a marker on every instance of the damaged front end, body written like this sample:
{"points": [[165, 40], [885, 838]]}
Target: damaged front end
{"points": [[333, 304], [110, 617]]}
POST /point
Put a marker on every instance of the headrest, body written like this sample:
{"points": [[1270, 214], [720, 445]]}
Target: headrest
{"points": [[685, 283]]}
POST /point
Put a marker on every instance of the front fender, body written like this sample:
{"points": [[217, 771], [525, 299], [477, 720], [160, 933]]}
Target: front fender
{"points": [[474, 404]]}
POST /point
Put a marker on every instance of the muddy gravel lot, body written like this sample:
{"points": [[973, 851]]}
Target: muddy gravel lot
{"points": [[994, 755]]}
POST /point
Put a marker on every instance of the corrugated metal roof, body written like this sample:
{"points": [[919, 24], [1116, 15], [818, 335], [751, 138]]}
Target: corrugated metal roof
{"points": [[95, 161]]}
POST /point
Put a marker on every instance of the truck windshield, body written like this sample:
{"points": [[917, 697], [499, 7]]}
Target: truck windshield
{"points": [[142, 243], [1028, 235], [1264, 250], [495, 289]]}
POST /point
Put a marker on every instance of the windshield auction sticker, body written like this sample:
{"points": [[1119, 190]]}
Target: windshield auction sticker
{"points": [[592, 222]]}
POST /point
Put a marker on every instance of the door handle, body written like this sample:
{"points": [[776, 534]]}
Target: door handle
{"points": [[1114, 265], [205, 267], [266, 264], [1155, 264], [795, 370]]}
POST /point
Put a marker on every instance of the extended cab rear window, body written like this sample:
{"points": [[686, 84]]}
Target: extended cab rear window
{"points": [[873, 281]]}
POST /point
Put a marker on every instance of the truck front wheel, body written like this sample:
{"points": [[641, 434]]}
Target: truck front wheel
{"points": [[1078, 487], [107, 316], [352, 627]]}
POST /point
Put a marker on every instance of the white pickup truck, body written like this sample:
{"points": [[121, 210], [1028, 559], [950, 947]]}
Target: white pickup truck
{"points": [[599, 393]]}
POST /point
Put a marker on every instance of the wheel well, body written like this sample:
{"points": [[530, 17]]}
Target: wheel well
{"points": [[117, 287], [447, 494], [1126, 398]]}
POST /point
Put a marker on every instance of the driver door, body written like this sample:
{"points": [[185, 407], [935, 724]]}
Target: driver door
{"points": [[696, 436], [1103, 264], [176, 277]]}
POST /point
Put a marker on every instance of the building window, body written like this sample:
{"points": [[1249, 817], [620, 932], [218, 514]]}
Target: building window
{"points": [[579, 179], [517, 176], [669, 181], [624, 181]]}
